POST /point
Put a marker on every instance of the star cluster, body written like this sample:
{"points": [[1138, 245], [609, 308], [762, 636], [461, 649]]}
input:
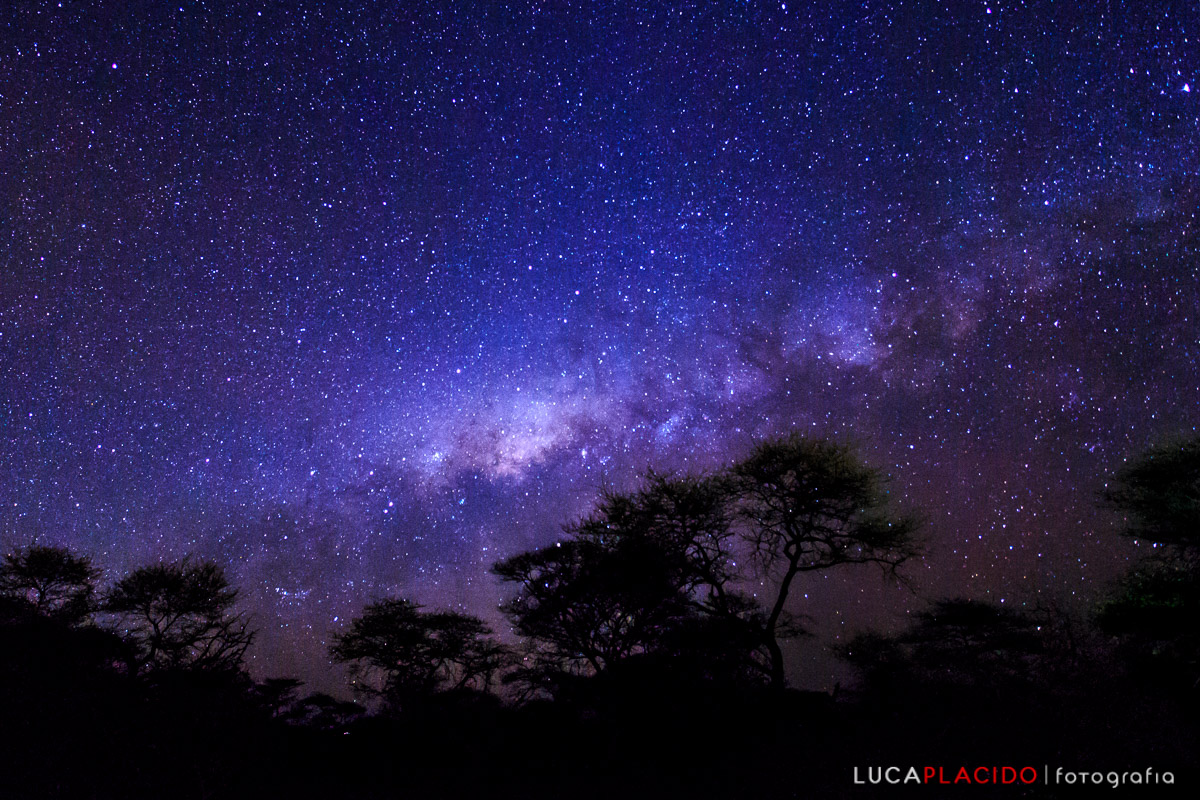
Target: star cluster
{"points": [[359, 298]]}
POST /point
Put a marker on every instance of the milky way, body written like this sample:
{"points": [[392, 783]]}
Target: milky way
{"points": [[358, 301]]}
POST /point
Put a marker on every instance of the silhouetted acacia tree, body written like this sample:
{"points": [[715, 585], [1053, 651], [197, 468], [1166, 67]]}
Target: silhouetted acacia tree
{"points": [[810, 505], [957, 642], [647, 572], [179, 615], [321, 711], [1154, 608], [402, 653], [52, 580], [589, 603], [276, 695], [963, 672], [1153, 612], [1159, 494], [687, 519]]}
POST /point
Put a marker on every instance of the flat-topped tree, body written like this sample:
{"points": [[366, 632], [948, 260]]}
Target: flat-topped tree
{"points": [[1159, 494], [959, 642], [688, 517], [1153, 610], [180, 616], [402, 653], [589, 604], [647, 573], [52, 580], [809, 505]]}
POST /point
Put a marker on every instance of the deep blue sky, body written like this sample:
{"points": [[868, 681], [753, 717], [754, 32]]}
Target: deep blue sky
{"points": [[357, 302]]}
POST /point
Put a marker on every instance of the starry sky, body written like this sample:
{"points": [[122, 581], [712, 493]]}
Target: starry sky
{"points": [[358, 298]]}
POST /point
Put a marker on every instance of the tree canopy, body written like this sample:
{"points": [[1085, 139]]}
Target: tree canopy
{"points": [[180, 615], [811, 505], [400, 652], [1159, 494], [648, 573], [54, 581], [1153, 610]]}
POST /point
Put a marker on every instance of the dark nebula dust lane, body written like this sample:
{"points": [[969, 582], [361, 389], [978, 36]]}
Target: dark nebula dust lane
{"points": [[358, 301]]}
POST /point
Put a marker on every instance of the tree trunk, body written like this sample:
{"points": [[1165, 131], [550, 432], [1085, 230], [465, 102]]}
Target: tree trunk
{"points": [[778, 679]]}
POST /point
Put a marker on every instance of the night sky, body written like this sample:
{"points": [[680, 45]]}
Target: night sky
{"points": [[358, 301]]}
